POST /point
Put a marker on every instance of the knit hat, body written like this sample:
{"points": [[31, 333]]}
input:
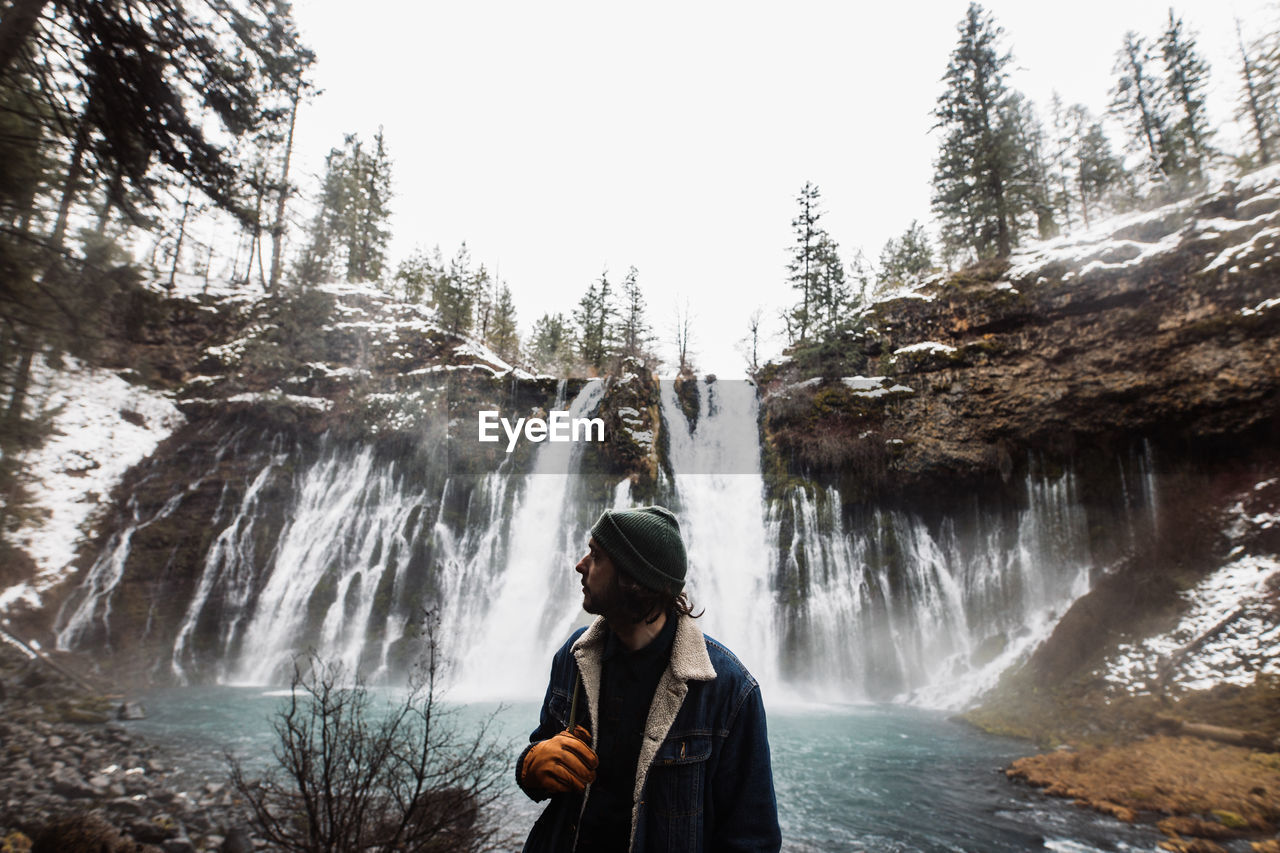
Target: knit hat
{"points": [[645, 543]]}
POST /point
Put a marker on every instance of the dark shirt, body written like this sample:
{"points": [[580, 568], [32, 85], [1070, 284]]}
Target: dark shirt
{"points": [[627, 684]]}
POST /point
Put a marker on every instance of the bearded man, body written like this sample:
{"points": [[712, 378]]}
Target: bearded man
{"points": [[652, 735]]}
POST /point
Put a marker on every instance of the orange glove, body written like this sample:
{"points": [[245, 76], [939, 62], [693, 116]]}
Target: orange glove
{"points": [[560, 764]]}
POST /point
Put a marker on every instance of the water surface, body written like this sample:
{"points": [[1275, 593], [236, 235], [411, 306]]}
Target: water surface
{"points": [[879, 779]]}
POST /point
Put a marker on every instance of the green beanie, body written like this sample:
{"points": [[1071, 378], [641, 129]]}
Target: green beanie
{"points": [[645, 543]]}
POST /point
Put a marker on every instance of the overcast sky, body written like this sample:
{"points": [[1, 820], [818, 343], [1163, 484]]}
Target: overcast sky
{"points": [[562, 139]]}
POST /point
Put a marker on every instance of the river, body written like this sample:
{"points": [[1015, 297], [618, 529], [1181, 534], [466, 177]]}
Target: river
{"points": [[849, 778]]}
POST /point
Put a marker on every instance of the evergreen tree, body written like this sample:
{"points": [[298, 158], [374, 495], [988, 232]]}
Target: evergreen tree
{"points": [[1063, 127], [551, 345], [1139, 101], [504, 338], [453, 297], [978, 177], [417, 275], [1186, 78], [862, 282], [350, 226], [805, 265], [484, 296], [1098, 172], [1031, 170], [905, 260], [367, 218], [634, 332], [1259, 104], [831, 296], [594, 321]]}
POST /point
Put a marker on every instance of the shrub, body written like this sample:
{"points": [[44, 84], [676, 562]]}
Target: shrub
{"points": [[358, 774]]}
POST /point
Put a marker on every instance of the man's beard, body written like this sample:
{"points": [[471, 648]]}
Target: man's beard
{"points": [[607, 603]]}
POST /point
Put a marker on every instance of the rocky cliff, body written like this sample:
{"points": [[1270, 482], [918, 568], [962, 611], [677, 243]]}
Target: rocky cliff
{"points": [[1160, 325]]}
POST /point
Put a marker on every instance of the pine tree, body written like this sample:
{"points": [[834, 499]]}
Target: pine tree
{"points": [[551, 345], [417, 275], [634, 332], [453, 297], [1029, 182], [1259, 104], [594, 321], [1186, 78], [831, 295], [350, 227], [904, 261], [504, 339], [977, 194], [1061, 145], [1098, 172], [1139, 101], [367, 218], [805, 264]]}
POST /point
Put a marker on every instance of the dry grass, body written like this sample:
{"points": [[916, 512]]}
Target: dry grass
{"points": [[1210, 789]]}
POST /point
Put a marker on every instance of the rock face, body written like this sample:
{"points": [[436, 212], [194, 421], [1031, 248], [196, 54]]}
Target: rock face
{"points": [[1165, 328]]}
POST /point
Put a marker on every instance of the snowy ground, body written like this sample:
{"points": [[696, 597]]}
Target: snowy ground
{"points": [[101, 427], [1229, 631]]}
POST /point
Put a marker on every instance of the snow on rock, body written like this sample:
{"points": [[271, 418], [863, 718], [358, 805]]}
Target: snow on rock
{"points": [[101, 427], [874, 386], [1228, 633], [1127, 241], [926, 346], [1230, 628], [320, 404]]}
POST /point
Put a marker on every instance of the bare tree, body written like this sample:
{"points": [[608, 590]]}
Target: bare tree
{"points": [[683, 336], [750, 344], [355, 774]]}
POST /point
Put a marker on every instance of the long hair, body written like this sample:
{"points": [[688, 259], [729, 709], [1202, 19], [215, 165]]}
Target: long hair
{"points": [[640, 604]]}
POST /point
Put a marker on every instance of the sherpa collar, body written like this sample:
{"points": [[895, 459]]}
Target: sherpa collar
{"points": [[689, 662]]}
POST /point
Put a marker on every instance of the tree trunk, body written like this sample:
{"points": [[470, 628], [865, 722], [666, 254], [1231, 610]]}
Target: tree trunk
{"points": [[177, 250], [21, 381], [277, 227], [15, 29], [74, 170]]}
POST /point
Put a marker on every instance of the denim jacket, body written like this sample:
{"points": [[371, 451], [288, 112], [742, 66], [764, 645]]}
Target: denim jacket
{"points": [[703, 778]]}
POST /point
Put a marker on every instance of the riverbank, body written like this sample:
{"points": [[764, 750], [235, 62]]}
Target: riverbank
{"points": [[76, 778], [1129, 757]]}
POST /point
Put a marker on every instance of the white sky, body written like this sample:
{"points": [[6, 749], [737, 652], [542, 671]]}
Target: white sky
{"points": [[558, 139]]}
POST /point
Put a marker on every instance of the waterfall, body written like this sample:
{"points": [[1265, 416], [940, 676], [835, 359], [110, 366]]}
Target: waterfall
{"points": [[88, 610], [719, 499], [229, 566], [338, 549], [890, 607], [533, 594], [346, 532], [92, 612]]}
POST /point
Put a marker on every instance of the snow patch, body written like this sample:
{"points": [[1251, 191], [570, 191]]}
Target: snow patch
{"points": [[101, 427], [926, 346], [1228, 633]]}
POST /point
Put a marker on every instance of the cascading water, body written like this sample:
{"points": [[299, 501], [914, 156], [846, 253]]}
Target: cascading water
{"points": [[820, 600], [348, 529], [719, 499], [533, 594], [229, 565], [888, 606], [86, 615]]}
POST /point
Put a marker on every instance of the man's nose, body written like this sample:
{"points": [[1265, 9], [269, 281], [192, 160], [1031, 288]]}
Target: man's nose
{"points": [[581, 568]]}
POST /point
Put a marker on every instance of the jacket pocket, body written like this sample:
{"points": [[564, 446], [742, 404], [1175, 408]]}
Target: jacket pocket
{"points": [[675, 791]]}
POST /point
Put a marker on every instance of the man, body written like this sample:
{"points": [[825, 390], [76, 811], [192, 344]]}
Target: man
{"points": [[652, 735]]}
